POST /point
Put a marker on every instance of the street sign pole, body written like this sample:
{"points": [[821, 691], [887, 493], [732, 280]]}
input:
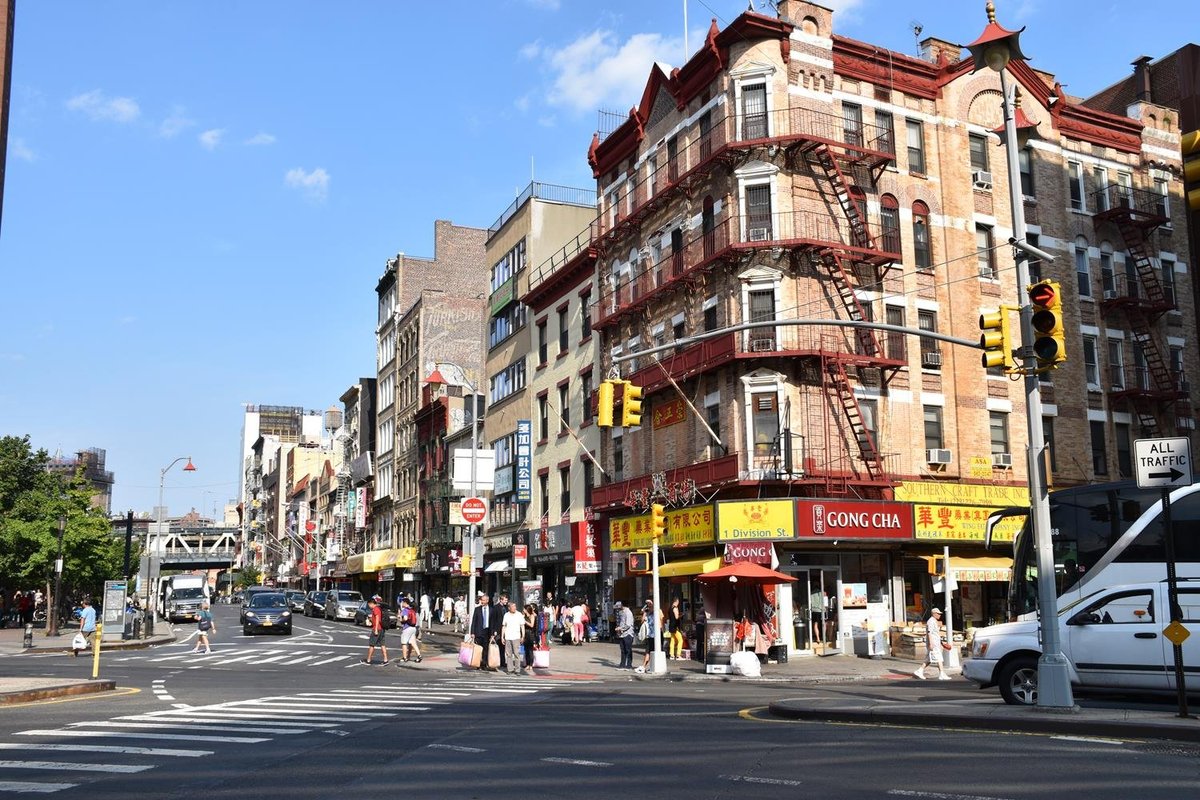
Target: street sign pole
{"points": [[1173, 601]]}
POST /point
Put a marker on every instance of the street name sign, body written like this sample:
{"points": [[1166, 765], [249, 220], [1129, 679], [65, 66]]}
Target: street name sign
{"points": [[1163, 463]]}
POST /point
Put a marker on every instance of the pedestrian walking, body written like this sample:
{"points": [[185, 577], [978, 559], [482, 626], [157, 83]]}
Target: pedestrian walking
{"points": [[204, 627], [447, 609], [577, 623], [409, 625], [500, 610], [484, 627], [933, 646], [651, 625], [532, 618], [87, 625], [624, 631], [513, 632], [460, 614], [675, 630], [426, 611], [376, 639]]}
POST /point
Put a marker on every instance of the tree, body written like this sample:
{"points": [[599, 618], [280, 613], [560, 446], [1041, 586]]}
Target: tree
{"points": [[32, 500], [249, 576]]}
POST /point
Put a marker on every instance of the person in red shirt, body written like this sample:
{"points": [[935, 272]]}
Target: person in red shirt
{"points": [[376, 639]]}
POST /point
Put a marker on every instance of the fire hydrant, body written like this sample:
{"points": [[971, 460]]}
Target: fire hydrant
{"points": [[28, 636]]}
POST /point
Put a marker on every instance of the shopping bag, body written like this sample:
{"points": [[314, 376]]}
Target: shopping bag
{"points": [[541, 659], [464, 653], [79, 642], [476, 656], [493, 656]]}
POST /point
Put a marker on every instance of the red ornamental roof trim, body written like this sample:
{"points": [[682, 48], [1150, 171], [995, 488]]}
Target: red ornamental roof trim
{"points": [[867, 62]]}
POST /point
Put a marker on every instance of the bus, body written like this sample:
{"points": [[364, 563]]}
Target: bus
{"points": [[1104, 535]]}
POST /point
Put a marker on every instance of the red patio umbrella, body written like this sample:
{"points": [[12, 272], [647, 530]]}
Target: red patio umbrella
{"points": [[745, 571]]}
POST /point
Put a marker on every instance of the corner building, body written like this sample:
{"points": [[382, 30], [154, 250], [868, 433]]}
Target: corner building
{"points": [[788, 173]]}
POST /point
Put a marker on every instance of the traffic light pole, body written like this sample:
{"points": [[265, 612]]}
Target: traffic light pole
{"points": [[658, 660], [1054, 680]]}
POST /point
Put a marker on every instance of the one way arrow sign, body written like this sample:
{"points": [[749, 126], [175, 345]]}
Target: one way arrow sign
{"points": [[1163, 463]]}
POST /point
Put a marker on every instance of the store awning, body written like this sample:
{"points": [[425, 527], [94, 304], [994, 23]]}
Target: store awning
{"points": [[977, 569], [695, 566], [497, 566], [354, 564]]}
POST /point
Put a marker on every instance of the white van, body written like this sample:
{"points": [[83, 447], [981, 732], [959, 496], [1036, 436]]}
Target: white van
{"points": [[1112, 638]]}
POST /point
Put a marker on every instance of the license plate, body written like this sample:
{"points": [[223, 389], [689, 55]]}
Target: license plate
{"points": [[267, 623]]}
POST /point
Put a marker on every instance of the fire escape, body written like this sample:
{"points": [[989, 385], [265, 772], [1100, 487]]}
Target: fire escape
{"points": [[1140, 294]]}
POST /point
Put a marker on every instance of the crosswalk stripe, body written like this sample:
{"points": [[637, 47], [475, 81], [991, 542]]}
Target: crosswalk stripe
{"points": [[110, 748], [123, 735], [328, 661], [299, 660], [75, 766], [309, 708], [209, 722], [269, 660], [376, 702], [170, 658], [349, 694], [27, 787], [170, 725], [289, 715]]}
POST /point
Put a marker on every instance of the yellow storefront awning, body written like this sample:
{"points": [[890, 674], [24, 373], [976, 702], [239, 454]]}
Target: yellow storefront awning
{"points": [[695, 566], [976, 569], [354, 564], [374, 560], [405, 557]]}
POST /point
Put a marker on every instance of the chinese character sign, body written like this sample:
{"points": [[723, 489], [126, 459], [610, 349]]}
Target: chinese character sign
{"points": [[685, 526], [961, 523], [524, 460], [669, 413]]}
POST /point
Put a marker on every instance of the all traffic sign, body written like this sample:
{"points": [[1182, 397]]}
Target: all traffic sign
{"points": [[1163, 463], [474, 510]]}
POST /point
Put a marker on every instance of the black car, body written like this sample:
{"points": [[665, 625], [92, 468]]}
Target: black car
{"points": [[314, 604], [248, 597], [267, 611], [362, 616], [295, 599]]}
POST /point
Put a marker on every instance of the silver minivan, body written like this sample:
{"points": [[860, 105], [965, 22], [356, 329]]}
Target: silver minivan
{"points": [[342, 603]]}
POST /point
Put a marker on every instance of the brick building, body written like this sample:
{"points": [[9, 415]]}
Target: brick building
{"points": [[789, 173]]}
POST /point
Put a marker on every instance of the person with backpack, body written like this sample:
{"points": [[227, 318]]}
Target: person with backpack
{"points": [[651, 625], [408, 632], [204, 627], [375, 618]]}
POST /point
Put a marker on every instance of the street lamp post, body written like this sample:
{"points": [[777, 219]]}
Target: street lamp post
{"points": [[995, 49], [162, 477], [52, 606]]}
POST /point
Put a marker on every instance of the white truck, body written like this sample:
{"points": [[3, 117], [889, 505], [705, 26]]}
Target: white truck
{"points": [[180, 596], [1112, 639]]}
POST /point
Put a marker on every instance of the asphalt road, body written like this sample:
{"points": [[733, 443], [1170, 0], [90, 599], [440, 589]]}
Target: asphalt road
{"points": [[290, 717]]}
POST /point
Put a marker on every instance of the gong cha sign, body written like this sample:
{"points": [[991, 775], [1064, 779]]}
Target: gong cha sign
{"points": [[826, 519]]}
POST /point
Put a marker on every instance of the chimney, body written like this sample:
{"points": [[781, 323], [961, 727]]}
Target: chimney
{"points": [[939, 51], [1141, 80]]}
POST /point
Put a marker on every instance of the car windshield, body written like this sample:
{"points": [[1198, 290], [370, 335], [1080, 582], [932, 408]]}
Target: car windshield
{"points": [[295, 595], [187, 594], [267, 601], [319, 597], [351, 597]]}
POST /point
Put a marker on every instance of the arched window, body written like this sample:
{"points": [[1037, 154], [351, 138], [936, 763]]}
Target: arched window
{"points": [[889, 219], [921, 251]]}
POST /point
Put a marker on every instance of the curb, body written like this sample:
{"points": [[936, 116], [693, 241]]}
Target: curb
{"points": [[48, 692], [1062, 723]]}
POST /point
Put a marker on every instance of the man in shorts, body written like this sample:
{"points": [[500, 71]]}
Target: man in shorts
{"points": [[408, 632], [375, 616]]}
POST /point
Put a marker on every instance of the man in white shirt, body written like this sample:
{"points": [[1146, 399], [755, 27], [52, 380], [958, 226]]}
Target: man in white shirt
{"points": [[933, 646], [426, 611], [513, 632]]}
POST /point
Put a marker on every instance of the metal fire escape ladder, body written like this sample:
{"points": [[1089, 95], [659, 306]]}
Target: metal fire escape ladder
{"points": [[845, 393], [868, 343], [1135, 245], [822, 157]]}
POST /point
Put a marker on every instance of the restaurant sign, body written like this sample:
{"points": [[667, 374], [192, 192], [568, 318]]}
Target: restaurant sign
{"points": [[835, 519], [961, 523], [685, 527], [756, 520]]}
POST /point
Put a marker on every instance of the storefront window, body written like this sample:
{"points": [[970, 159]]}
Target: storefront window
{"points": [[868, 568]]}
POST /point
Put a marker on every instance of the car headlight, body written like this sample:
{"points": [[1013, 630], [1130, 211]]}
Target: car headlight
{"points": [[286, 613], [251, 614]]}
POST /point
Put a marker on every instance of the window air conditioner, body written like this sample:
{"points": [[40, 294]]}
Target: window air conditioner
{"points": [[931, 358], [1110, 294], [982, 179], [939, 456], [760, 234], [762, 345], [1001, 459]]}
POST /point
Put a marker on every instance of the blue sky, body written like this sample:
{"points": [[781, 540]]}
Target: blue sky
{"points": [[201, 195]]}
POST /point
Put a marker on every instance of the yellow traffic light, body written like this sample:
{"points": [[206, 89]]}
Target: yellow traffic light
{"points": [[1049, 343], [604, 404], [464, 565], [996, 339], [631, 405], [1190, 147], [658, 520], [638, 562]]}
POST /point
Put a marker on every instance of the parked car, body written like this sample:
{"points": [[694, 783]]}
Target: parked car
{"points": [[314, 604], [267, 611], [1111, 639], [362, 615], [341, 604], [295, 600]]}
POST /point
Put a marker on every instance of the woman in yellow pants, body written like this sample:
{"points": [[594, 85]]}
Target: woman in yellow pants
{"points": [[674, 628]]}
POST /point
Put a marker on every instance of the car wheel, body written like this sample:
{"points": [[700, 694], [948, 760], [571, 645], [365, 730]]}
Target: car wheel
{"points": [[1018, 681], [245, 630]]}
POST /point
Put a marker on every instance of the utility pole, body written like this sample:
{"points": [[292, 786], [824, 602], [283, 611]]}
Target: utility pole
{"points": [[52, 606]]}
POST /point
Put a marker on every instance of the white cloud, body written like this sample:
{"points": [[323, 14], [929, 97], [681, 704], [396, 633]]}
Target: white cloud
{"points": [[597, 70], [522, 103], [315, 184], [211, 139], [530, 51], [98, 106], [260, 139], [19, 150], [176, 123]]}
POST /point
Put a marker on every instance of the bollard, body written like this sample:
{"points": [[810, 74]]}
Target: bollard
{"points": [[96, 650], [28, 636]]}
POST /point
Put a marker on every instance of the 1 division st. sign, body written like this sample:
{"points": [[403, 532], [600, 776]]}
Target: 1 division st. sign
{"points": [[1162, 463]]}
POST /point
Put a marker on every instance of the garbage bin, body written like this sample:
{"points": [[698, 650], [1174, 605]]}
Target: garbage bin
{"points": [[148, 626]]}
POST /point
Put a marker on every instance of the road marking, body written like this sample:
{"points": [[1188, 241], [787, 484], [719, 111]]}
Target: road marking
{"points": [[112, 748], [269, 660], [308, 708], [192, 719], [24, 787], [940, 795], [1090, 740], [578, 762], [77, 698], [456, 748], [299, 660], [291, 715], [123, 735], [369, 702], [170, 658], [169, 725], [329, 661], [75, 766], [769, 781]]}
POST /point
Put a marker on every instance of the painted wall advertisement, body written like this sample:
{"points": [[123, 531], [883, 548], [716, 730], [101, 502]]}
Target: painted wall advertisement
{"points": [[955, 512], [685, 526], [524, 460], [756, 520]]}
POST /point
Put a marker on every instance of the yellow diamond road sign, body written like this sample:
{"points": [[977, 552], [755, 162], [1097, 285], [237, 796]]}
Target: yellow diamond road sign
{"points": [[1176, 633]]}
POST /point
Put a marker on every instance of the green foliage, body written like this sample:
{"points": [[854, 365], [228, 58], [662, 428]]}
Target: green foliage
{"points": [[32, 501], [249, 576]]}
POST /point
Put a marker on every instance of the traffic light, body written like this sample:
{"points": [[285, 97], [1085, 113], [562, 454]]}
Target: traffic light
{"points": [[638, 562], [658, 520], [631, 405], [604, 404], [996, 339], [464, 565], [936, 565], [1048, 334], [1190, 147]]}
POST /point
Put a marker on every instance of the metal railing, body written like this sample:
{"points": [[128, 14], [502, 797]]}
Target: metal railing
{"points": [[1115, 198], [550, 192]]}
